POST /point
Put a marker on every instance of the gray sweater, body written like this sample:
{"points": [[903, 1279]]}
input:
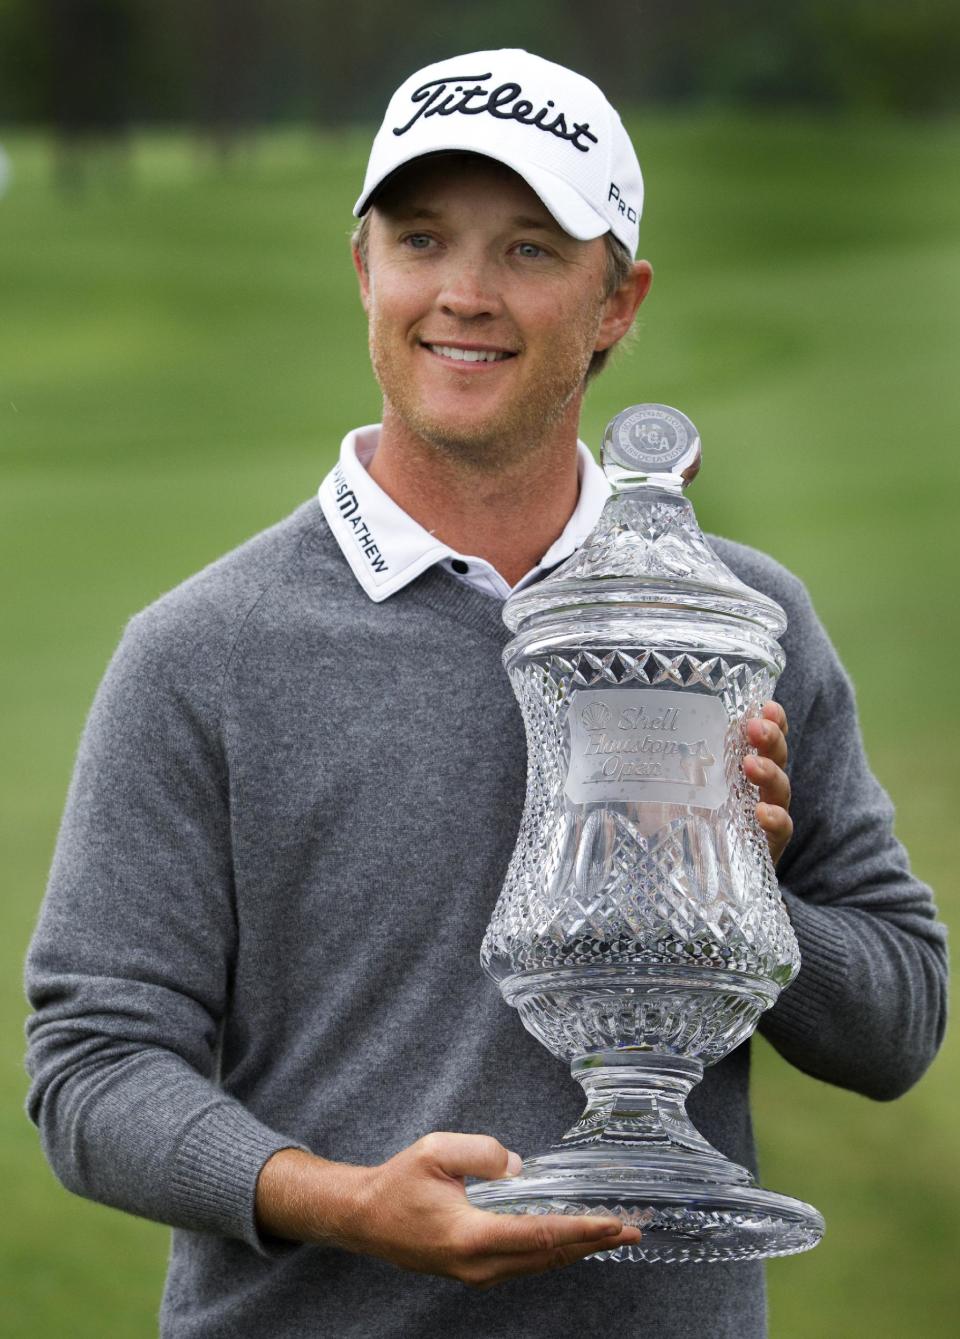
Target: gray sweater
{"points": [[262, 928]]}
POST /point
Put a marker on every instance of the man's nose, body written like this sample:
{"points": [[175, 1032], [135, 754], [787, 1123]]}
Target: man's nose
{"points": [[469, 290]]}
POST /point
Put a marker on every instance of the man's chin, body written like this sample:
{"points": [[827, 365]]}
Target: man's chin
{"points": [[485, 442], [483, 437], [490, 447]]}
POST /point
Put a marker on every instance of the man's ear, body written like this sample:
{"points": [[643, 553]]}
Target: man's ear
{"points": [[363, 275], [622, 306]]}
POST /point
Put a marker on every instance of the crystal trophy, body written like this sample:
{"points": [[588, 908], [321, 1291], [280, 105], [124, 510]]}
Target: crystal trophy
{"points": [[640, 931]]}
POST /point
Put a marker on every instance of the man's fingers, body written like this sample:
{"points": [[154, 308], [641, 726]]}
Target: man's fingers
{"points": [[777, 826], [771, 780], [767, 733], [776, 822], [768, 739], [467, 1155], [537, 1262], [772, 711], [538, 1233]]}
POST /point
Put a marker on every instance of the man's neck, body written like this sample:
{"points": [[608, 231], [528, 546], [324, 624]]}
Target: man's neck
{"points": [[509, 515]]}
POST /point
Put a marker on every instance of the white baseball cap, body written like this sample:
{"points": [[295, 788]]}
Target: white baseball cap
{"points": [[553, 127]]}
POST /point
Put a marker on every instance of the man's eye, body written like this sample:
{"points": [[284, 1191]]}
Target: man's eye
{"points": [[419, 241], [529, 250]]}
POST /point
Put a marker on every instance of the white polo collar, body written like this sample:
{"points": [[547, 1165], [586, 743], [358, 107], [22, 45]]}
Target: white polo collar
{"points": [[387, 549]]}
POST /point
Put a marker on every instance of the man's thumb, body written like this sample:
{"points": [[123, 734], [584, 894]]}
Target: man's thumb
{"points": [[470, 1155]]}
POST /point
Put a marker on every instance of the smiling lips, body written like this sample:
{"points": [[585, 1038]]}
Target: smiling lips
{"points": [[458, 354]]}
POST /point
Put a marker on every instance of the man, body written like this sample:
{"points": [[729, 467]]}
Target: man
{"points": [[259, 1012]]}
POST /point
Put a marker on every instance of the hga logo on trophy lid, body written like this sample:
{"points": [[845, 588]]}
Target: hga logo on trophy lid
{"points": [[650, 438]]}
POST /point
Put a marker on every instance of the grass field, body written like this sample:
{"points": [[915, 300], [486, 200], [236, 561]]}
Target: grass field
{"points": [[179, 358]]}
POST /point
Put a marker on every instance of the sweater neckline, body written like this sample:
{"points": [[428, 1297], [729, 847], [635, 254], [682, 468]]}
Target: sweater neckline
{"points": [[444, 593], [435, 587]]}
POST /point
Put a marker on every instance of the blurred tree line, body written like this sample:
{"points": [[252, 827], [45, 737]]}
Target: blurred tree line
{"points": [[225, 66]]}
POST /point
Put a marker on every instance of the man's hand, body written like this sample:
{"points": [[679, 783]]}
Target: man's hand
{"points": [[767, 733], [413, 1211]]}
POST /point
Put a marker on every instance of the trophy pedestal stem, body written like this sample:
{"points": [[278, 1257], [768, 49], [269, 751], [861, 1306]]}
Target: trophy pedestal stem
{"points": [[637, 1099], [635, 1154]]}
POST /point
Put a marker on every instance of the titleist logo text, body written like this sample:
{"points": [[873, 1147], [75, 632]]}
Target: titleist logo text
{"points": [[470, 97]]}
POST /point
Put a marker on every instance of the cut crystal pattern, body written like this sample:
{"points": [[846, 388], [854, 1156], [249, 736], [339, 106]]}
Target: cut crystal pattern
{"points": [[705, 1025], [640, 551], [663, 540], [616, 885], [690, 1235]]}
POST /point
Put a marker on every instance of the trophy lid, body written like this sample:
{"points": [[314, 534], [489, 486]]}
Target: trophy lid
{"points": [[647, 548]]}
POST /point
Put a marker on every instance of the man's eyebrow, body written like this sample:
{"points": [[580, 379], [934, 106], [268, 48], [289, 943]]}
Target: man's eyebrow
{"points": [[415, 212], [432, 215], [526, 221]]}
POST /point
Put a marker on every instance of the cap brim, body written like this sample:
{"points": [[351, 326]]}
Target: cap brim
{"points": [[565, 203]]}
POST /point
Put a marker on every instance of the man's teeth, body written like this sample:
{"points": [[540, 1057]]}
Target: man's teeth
{"points": [[468, 355]]}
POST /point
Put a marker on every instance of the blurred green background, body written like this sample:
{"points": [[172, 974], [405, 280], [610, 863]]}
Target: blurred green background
{"points": [[181, 351]]}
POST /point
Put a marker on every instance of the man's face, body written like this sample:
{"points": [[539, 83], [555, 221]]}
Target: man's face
{"points": [[483, 313]]}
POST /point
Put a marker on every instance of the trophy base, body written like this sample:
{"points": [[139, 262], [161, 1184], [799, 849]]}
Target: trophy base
{"points": [[681, 1223], [635, 1155]]}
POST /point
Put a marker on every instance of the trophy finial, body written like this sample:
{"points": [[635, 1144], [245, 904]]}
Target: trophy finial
{"points": [[650, 443]]}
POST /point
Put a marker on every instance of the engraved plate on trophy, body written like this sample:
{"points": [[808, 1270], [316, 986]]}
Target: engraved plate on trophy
{"points": [[636, 744]]}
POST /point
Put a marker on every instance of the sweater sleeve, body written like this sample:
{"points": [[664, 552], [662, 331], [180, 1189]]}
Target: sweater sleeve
{"points": [[128, 972], [868, 1008]]}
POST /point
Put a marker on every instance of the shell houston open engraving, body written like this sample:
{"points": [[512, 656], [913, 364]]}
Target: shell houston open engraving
{"points": [[633, 744]]}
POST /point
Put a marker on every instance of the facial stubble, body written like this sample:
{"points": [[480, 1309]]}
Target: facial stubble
{"points": [[519, 427]]}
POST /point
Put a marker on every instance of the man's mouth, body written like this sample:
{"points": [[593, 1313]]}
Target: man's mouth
{"points": [[461, 355]]}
